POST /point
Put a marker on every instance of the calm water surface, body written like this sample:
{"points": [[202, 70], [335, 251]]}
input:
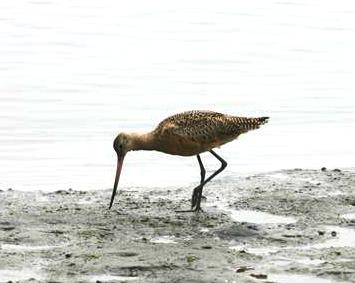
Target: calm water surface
{"points": [[75, 73]]}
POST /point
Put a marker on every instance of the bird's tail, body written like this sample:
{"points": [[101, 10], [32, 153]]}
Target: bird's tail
{"points": [[262, 120], [246, 124]]}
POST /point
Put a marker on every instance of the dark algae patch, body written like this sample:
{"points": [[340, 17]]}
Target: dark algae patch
{"points": [[270, 227]]}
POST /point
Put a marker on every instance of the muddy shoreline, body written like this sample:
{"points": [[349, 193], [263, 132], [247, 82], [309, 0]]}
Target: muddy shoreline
{"points": [[285, 226]]}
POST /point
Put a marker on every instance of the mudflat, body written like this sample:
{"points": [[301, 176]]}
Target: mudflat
{"points": [[285, 226]]}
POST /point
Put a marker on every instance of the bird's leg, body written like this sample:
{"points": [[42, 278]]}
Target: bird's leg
{"points": [[196, 191], [200, 187]]}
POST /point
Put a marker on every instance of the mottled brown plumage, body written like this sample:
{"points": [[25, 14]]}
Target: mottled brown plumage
{"points": [[194, 132], [188, 133]]}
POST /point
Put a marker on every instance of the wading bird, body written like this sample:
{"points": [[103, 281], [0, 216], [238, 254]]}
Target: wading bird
{"points": [[186, 134]]}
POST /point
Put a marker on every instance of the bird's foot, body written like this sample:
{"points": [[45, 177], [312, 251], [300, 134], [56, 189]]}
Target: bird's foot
{"points": [[195, 203], [197, 209]]}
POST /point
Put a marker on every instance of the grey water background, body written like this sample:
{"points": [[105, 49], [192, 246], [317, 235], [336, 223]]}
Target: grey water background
{"points": [[75, 73]]}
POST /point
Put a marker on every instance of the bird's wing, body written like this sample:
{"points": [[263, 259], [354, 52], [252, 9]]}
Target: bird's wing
{"points": [[208, 126], [196, 125]]}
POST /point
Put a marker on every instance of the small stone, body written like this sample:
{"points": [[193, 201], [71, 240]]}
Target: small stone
{"points": [[68, 255], [323, 169], [253, 227], [61, 192], [127, 254], [8, 228], [206, 247], [321, 233], [259, 276], [56, 232], [242, 269], [336, 170]]}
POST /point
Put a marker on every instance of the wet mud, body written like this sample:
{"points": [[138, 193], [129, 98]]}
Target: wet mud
{"points": [[286, 226]]}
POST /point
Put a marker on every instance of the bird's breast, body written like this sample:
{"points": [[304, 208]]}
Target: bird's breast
{"points": [[186, 146], [179, 146]]}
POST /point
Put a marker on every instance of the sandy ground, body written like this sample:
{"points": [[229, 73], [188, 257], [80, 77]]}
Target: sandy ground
{"points": [[286, 226]]}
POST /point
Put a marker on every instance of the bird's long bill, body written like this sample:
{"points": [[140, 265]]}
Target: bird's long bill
{"points": [[118, 173]]}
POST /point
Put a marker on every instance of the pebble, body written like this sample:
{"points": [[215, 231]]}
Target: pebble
{"points": [[243, 269], [259, 276], [207, 247], [62, 192], [8, 228]]}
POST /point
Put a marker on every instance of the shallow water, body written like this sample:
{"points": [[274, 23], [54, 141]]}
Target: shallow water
{"points": [[74, 74], [349, 216], [10, 247], [23, 274], [299, 278], [164, 240], [110, 278], [345, 237], [259, 217]]}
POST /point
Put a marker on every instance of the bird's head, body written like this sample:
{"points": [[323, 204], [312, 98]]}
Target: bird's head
{"points": [[121, 145]]}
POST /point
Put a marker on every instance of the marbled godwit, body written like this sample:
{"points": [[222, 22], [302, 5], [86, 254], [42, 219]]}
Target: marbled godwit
{"points": [[186, 134]]}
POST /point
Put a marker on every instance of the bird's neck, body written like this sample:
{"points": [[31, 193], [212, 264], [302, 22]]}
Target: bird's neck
{"points": [[142, 141]]}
